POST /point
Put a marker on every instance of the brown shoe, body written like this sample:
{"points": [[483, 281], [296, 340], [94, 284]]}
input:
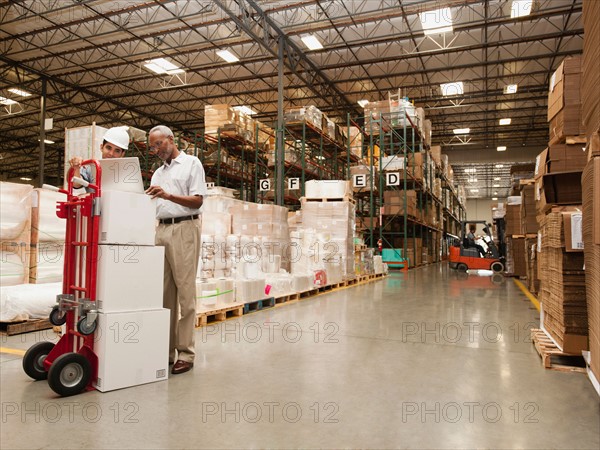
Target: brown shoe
{"points": [[181, 367]]}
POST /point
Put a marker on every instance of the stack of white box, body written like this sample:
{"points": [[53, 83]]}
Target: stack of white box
{"points": [[325, 240], [132, 337]]}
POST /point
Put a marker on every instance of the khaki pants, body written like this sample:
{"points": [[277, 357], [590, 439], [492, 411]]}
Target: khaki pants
{"points": [[182, 250]]}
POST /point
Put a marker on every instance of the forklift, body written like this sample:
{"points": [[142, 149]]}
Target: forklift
{"points": [[465, 257]]}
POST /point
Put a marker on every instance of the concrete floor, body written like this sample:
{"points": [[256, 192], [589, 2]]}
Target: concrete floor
{"points": [[425, 359]]}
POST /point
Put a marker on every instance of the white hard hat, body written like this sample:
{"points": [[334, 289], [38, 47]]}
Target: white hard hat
{"points": [[117, 136]]}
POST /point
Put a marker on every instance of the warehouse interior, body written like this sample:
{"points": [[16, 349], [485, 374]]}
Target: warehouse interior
{"points": [[364, 135]]}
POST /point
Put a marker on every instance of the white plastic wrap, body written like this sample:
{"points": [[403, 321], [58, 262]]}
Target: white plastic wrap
{"points": [[27, 301], [12, 270], [50, 226], [249, 290], [281, 284], [50, 262], [378, 264], [15, 209]]}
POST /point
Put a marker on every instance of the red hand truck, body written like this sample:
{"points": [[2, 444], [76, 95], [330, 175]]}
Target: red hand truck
{"points": [[71, 365]]}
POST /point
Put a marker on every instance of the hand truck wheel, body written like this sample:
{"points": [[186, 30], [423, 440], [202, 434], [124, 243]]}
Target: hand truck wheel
{"points": [[33, 361], [84, 328], [57, 317], [69, 374]]}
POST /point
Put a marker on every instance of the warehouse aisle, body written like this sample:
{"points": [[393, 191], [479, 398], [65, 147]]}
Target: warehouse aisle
{"points": [[431, 358]]}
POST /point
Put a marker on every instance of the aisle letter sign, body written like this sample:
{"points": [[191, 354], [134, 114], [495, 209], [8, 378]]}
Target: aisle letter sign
{"points": [[265, 185], [294, 184], [392, 179], [359, 180]]}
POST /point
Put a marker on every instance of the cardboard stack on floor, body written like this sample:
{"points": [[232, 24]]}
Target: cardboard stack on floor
{"points": [[515, 245], [529, 227], [558, 204], [591, 178]]}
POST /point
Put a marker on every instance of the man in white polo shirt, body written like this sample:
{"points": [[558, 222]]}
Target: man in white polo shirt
{"points": [[179, 185]]}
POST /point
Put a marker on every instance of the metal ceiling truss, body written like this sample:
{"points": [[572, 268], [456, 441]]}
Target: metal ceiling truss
{"points": [[92, 53]]}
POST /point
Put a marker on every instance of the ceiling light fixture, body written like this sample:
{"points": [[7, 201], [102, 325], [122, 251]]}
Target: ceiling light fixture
{"points": [[462, 130], [19, 92], [227, 56], [7, 101], [454, 88], [496, 185], [501, 148], [520, 8], [311, 41], [363, 103], [436, 22], [474, 190], [25, 178], [505, 121], [162, 66], [471, 170], [495, 199], [511, 88], [499, 166], [497, 179]]}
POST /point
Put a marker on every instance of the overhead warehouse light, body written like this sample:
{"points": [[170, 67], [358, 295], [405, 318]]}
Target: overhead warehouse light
{"points": [[245, 110], [363, 103], [495, 192], [162, 66], [456, 88], [25, 178], [511, 88], [7, 101], [474, 190], [48, 141], [471, 170], [495, 199], [227, 56], [520, 8], [505, 121], [311, 41], [436, 22], [501, 148], [497, 179], [499, 166], [496, 185], [462, 130], [19, 92]]}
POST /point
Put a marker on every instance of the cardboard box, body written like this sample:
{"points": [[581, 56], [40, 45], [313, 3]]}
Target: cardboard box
{"points": [[127, 218], [564, 86], [130, 278], [132, 348], [565, 158], [562, 188]]}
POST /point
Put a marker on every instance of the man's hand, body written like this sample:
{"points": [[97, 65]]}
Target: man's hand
{"points": [[158, 192], [75, 162]]}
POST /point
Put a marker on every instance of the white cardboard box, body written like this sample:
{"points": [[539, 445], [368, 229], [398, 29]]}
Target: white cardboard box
{"points": [[127, 218], [130, 278], [132, 348]]}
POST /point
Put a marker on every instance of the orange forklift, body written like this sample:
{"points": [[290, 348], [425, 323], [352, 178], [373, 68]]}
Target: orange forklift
{"points": [[464, 256]]}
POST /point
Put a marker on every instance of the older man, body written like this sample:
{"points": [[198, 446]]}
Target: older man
{"points": [[179, 185]]}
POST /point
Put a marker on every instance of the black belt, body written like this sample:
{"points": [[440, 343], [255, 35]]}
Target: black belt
{"points": [[173, 220]]}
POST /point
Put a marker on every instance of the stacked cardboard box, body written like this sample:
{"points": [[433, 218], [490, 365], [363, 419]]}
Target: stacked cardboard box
{"points": [[310, 114], [591, 239], [528, 215], [591, 67], [532, 265], [400, 202], [562, 276], [564, 100]]}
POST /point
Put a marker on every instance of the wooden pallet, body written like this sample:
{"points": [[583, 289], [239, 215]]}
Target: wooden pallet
{"points": [[257, 305], [27, 326], [287, 298], [548, 350], [308, 293], [218, 315], [360, 247]]}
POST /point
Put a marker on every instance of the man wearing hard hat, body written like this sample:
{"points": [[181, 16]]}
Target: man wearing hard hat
{"points": [[114, 145]]}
